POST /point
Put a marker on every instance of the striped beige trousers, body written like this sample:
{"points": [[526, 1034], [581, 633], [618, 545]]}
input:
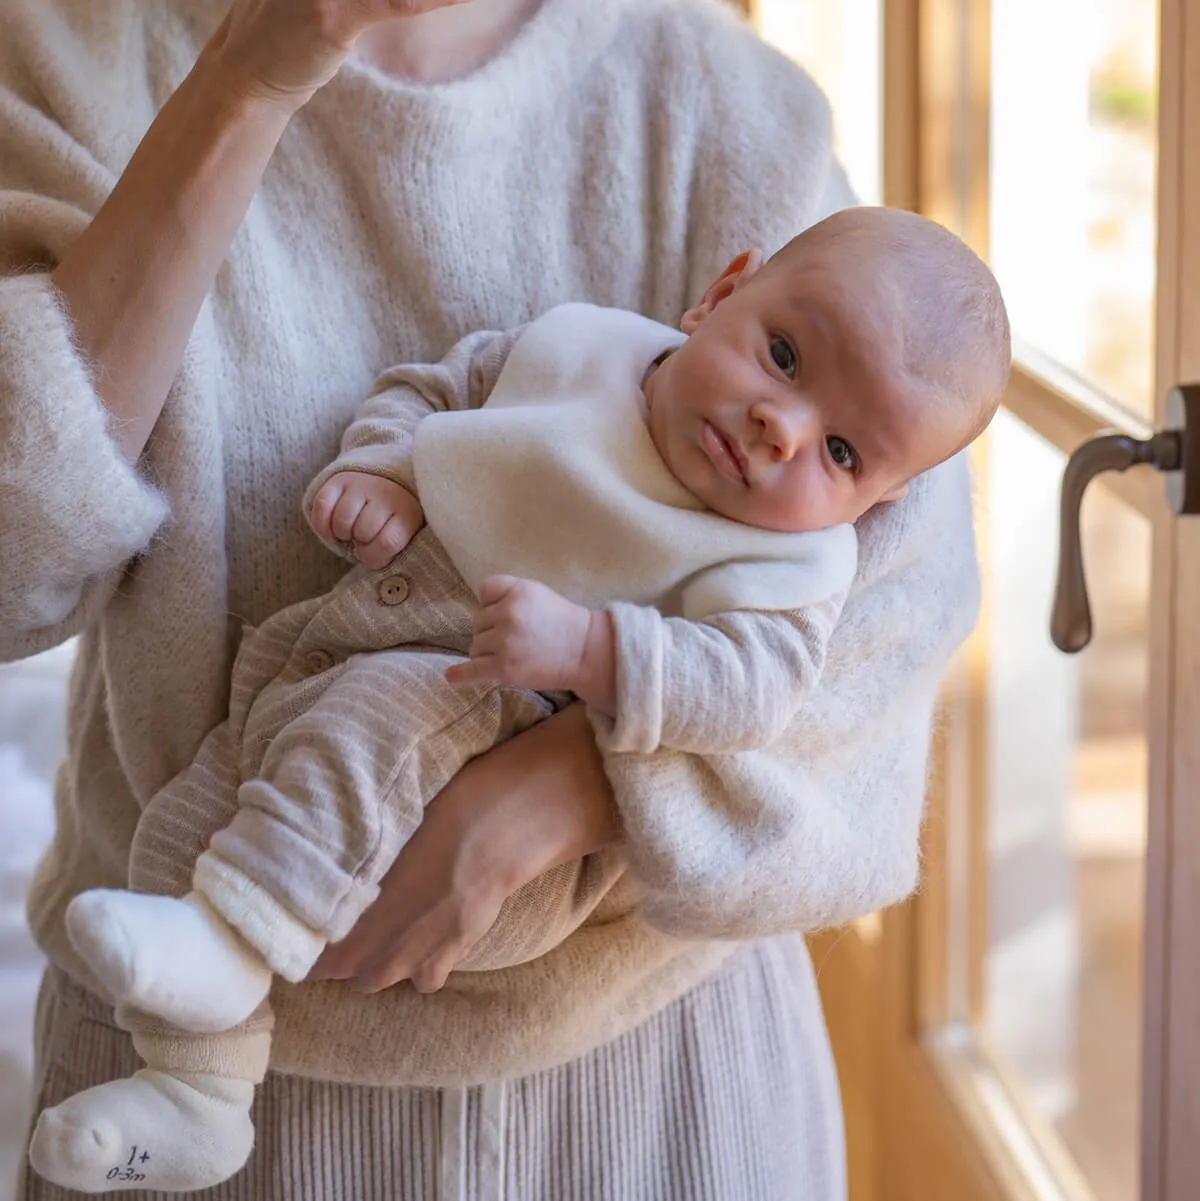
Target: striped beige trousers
{"points": [[341, 729], [728, 1094]]}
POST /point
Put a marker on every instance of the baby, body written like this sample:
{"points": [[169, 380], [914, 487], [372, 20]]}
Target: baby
{"points": [[659, 523]]}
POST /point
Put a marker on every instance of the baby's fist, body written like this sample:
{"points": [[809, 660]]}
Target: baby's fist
{"points": [[377, 517]]}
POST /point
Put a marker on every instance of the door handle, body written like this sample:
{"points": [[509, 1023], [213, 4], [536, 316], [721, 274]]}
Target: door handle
{"points": [[1174, 450]]}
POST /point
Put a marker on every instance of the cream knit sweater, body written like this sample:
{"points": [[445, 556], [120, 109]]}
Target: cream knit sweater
{"points": [[617, 152]]}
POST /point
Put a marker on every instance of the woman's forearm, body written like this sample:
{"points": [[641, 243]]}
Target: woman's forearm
{"points": [[134, 281], [536, 801], [543, 800]]}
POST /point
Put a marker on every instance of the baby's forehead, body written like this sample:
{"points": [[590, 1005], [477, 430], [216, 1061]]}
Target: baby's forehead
{"points": [[907, 421], [881, 302]]}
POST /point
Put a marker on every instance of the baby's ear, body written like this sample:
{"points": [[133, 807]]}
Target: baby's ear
{"points": [[899, 492], [740, 271]]}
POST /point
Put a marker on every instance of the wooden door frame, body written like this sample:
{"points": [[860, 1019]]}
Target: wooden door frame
{"points": [[1171, 991], [938, 1136]]}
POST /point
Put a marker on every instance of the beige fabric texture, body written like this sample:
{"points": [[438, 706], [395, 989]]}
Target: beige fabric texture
{"points": [[342, 726], [617, 153], [329, 755], [722, 1096]]}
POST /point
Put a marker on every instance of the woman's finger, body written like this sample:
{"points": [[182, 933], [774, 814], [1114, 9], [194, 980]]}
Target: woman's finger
{"points": [[473, 670], [432, 975], [379, 973], [384, 9], [331, 964]]}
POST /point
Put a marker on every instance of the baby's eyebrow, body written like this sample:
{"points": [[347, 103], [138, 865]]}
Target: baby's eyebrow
{"points": [[812, 316], [880, 438]]}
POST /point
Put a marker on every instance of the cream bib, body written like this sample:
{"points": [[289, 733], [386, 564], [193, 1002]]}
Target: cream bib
{"points": [[557, 479]]}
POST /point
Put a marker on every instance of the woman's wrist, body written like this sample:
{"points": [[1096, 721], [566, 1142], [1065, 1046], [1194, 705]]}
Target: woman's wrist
{"points": [[240, 92], [231, 99], [537, 801]]}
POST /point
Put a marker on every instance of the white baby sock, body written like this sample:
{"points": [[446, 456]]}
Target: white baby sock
{"points": [[175, 958], [152, 1131]]}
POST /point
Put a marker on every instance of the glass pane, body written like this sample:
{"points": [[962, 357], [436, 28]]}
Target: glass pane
{"points": [[1066, 813], [839, 43], [1073, 144]]}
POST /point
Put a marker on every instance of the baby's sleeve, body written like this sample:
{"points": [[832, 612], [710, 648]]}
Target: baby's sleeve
{"points": [[379, 441], [732, 682], [822, 825], [729, 674]]}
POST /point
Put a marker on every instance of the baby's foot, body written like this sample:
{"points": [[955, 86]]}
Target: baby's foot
{"points": [[152, 1131], [177, 959]]}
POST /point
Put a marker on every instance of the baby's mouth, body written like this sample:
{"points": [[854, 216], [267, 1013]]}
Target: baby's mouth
{"points": [[723, 452]]}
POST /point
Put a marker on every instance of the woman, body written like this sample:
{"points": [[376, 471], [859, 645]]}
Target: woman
{"points": [[187, 323]]}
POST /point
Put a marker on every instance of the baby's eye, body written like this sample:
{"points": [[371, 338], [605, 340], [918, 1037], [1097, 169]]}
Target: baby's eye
{"points": [[841, 452], [783, 356]]}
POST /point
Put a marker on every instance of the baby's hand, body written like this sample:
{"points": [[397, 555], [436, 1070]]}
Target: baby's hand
{"points": [[526, 635], [378, 517]]}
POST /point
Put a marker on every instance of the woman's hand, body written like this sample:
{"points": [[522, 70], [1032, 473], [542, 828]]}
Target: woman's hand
{"points": [[290, 48], [431, 910], [538, 800]]}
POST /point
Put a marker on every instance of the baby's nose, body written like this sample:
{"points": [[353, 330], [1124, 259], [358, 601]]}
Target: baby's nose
{"points": [[789, 430]]}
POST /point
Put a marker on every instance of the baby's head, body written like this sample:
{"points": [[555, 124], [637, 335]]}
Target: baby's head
{"points": [[815, 385]]}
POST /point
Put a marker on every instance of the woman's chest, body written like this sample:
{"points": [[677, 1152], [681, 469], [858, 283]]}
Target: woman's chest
{"points": [[349, 262]]}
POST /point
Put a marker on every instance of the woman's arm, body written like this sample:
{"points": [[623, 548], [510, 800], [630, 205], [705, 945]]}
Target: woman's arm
{"points": [[823, 826], [721, 846], [134, 281], [101, 279], [537, 801]]}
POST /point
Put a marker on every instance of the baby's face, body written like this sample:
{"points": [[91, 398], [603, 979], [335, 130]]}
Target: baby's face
{"points": [[788, 408]]}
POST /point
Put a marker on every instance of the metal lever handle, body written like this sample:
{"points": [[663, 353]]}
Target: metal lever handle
{"points": [[1172, 450]]}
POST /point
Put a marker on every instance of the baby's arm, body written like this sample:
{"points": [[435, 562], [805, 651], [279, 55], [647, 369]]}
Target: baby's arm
{"points": [[729, 683], [367, 496]]}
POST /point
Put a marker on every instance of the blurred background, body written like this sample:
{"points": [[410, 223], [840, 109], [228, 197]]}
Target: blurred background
{"points": [[32, 697]]}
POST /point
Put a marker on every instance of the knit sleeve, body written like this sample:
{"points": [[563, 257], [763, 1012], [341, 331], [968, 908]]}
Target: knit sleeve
{"points": [[75, 512], [821, 826], [765, 133], [733, 682], [379, 441]]}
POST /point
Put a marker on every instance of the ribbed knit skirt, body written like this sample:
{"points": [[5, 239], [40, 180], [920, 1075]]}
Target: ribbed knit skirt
{"points": [[728, 1094]]}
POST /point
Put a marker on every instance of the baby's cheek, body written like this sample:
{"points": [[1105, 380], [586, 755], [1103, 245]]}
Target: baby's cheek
{"points": [[801, 505]]}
